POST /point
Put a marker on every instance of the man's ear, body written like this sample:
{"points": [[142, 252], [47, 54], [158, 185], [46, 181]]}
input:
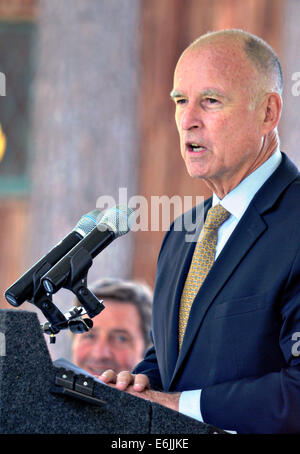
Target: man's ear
{"points": [[272, 111]]}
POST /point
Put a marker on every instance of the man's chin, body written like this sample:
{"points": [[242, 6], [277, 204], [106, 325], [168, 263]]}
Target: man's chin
{"points": [[195, 173], [195, 170]]}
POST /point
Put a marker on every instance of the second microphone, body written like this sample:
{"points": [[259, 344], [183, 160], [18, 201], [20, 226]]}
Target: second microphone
{"points": [[116, 222]]}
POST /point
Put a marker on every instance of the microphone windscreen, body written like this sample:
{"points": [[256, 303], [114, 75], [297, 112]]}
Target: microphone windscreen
{"points": [[120, 219]]}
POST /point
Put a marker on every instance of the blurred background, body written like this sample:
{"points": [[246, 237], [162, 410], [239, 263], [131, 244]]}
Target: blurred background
{"points": [[86, 111]]}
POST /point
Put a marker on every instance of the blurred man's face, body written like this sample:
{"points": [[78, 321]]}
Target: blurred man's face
{"points": [[115, 341]]}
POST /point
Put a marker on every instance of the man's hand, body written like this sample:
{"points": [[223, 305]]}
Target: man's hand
{"points": [[138, 385], [125, 379]]}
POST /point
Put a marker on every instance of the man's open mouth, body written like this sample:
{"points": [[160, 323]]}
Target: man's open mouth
{"points": [[195, 147]]}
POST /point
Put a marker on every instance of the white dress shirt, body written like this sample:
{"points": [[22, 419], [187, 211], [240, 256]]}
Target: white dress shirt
{"points": [[236, 202]]}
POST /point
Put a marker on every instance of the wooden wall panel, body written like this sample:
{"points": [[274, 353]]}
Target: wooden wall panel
{"points": [[18, 10], [13, 243], [167, 27], [14, 209]]}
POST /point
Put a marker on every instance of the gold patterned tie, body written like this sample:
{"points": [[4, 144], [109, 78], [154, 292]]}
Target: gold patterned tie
{"points": [[202, 261]]}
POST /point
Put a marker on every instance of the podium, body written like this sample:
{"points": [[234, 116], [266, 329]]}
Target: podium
{"points": [[38, 396]]}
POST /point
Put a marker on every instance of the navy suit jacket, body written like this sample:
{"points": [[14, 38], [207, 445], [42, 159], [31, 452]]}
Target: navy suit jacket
{"points": [[240, 345]]}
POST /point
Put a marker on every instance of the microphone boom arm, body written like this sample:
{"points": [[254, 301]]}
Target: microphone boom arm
{"points": [[80, 263]]}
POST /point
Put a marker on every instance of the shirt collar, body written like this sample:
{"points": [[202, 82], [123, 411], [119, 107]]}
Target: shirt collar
{"points": [[237, 200]]}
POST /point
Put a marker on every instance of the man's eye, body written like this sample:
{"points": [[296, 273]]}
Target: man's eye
{"points": [[119, 340], [211, 100], [180, 101]]}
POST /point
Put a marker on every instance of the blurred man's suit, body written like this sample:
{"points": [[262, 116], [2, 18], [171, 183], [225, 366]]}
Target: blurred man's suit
{"points": [[239, 338]]}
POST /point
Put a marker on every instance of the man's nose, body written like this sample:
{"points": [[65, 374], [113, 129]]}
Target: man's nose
{"points": [[191, 118], [101, 349]]}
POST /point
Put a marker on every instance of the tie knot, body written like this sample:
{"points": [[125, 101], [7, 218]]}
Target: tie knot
{"points": [[215, 217]]}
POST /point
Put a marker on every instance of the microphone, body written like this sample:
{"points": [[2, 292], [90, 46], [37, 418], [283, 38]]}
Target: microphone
{"points": [[24, 288], [73, 266]]}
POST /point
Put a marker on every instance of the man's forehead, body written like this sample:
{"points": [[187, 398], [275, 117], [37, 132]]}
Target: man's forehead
{"points": [[218, 66], [219, 56]]}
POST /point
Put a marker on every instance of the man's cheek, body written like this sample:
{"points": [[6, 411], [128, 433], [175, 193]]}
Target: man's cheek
{"points": [[178, 123], [81, 354]]}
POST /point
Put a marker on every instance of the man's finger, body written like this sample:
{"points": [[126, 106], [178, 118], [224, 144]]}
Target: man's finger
{"points": [[124, 379], [141, 382], [108, 376]]}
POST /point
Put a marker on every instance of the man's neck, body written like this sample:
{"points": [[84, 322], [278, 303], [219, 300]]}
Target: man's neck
{"points": [[222, 186]]}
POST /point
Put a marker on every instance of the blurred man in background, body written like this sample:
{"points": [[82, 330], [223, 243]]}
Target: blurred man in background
{"points": [[120, 333]]}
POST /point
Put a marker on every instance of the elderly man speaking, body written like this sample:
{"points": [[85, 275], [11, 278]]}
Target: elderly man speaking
{"points": [[226, 311]]}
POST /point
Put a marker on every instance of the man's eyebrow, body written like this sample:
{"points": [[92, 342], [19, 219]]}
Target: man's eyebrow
{"points": [[120, 331], [176, 94], [207, 92], [212, 92]]}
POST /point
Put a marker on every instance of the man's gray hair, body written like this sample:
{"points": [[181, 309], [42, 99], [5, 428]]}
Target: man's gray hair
{"points": [[139, 294]]}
